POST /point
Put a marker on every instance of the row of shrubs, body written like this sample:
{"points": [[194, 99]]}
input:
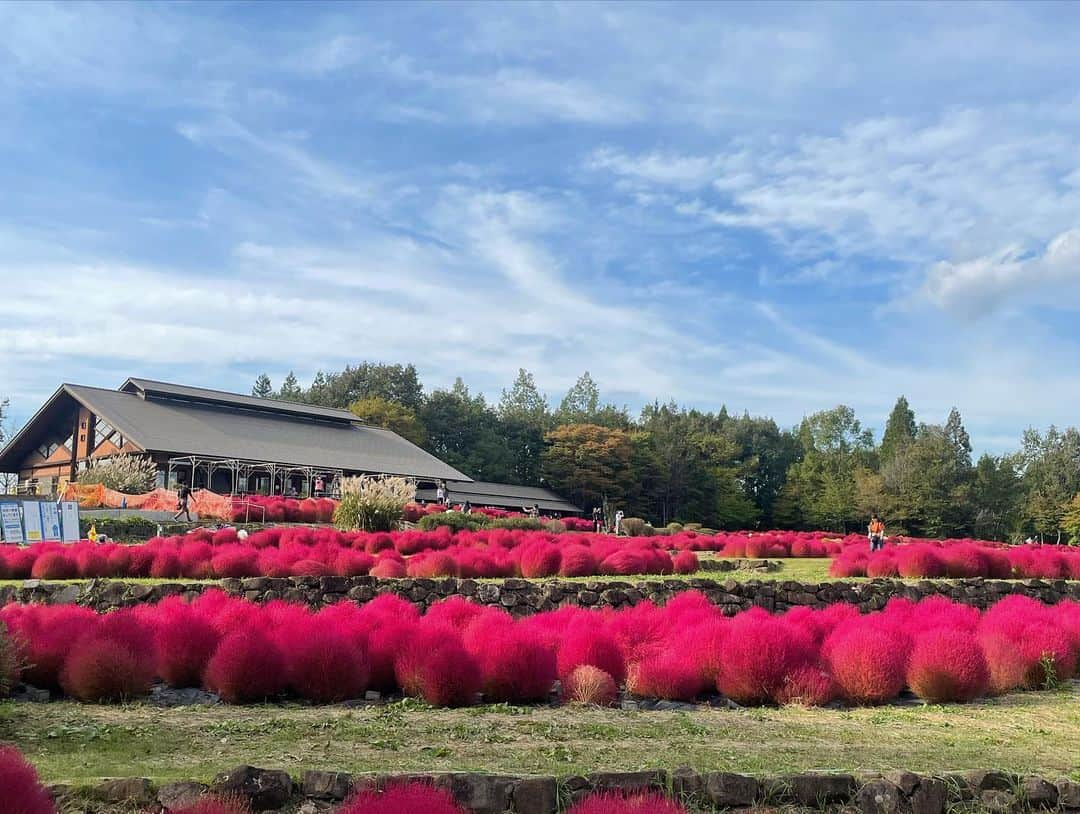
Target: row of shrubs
{"points": [[301, 551], [921, 560], [25, 794], [247, 653]]}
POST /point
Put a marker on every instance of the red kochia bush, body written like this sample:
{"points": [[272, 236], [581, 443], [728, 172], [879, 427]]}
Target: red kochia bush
{"points": [[413, 798], [246, 667], [613, 802], [434, 665], [758, 653], [586, 644], [948, 665], [99, 668], [20, 790], [671, 675], [868, 661], [325, 665], [184, 644], [686, 562], [215, 805]]}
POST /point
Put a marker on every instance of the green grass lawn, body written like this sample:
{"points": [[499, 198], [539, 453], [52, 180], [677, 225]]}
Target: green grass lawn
{"points": [[1036, 732]]}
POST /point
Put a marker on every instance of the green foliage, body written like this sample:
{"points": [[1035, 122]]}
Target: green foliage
{"points": [[455, 521], [588, 463], [373, 504], [262, 387], [900, 430], [554, 526], [380, 412], [123, 529], [517, 523], [632, 526], [131, 474]]}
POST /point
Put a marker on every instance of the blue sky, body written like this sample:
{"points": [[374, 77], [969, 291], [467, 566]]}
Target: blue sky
{"points": [[777, 207]]}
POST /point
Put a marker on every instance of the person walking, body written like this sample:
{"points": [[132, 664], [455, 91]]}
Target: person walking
{"points": [[876, 533], [183, 495], [618, 522], [597, 519], [440, 492]]}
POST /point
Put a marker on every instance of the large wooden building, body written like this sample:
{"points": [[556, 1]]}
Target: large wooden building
{"points": [[215, 440]]}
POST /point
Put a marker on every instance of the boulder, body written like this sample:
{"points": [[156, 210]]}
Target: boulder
{"points": [[536, 795], [1039, 793], [930, 796], [127, 790], [879, 797], [326, 785], [727, 790], [265, 789], [178, 795], [816, 790]]}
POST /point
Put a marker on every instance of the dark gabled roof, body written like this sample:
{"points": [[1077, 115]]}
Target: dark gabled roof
{"points": [[503, 495], [220, 428], [181, 392]]}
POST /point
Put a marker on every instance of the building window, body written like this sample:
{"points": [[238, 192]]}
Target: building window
{"points": [[46, 450], [104, 431]]}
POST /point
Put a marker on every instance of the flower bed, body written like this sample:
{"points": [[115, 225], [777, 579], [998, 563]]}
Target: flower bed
{"points": [[282, 552], [956, 559], [683, 651]]}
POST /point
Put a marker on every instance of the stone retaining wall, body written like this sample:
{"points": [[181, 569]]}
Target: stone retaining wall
{"points": [[277, 791], [522, 597]]}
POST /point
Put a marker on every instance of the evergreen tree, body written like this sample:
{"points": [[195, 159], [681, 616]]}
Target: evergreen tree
{"points": [[290, 389], [581, 403], [524, 402], [262, 388], [958, 437], [899, 430]]}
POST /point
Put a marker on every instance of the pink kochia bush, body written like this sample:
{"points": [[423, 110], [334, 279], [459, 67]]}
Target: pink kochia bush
{"points": [[20, 790], [414, 798], [459, 652], [957, 559], [214, 805], [612, 802]]}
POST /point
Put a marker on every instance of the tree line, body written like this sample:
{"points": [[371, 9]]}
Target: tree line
{"points": [[672, 463]]}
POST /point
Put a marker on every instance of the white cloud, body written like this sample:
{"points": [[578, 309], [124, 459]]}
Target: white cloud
{"points": [[1008, 277]]}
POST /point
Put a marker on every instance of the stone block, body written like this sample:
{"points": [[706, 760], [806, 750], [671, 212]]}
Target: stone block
{"points": [[727, 790], [137, 790], [930, 797], [265, 789], [178, 795], [536, 795], [879, 797], [813, 789], [326, 785]]}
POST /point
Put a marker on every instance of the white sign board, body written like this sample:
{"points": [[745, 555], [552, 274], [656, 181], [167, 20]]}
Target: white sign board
{"points": [[11, 522], [69, 516], [32, 521], [50, 521]]}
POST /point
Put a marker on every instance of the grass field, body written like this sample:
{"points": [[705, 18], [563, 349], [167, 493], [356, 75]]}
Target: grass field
{"points": [[77, 744]]}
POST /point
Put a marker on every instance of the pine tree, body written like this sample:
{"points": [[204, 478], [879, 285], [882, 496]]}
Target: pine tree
{"points": [[899, 430], [290, 389], [263, 388], [581, 403], [524, 402], [958, 437]]}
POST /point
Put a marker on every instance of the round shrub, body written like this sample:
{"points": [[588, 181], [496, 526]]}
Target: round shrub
{"points": [[869, 662], [435, 666], [758, 653], [516, 666], [948, 665], [414, 798], [184, 643], [22, 791], [613, 802], [586, 644], [325, 666], [246, 667], [54, 565], [590, 685], [807, 686], [102, 669], [686, 562], [670, 675]]}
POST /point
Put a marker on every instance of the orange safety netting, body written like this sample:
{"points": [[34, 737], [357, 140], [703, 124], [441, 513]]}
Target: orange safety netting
{"points": [[95, 496]]}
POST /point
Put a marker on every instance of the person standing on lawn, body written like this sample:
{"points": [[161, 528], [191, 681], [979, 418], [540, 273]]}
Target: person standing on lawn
{"points": [[876, 533]]}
